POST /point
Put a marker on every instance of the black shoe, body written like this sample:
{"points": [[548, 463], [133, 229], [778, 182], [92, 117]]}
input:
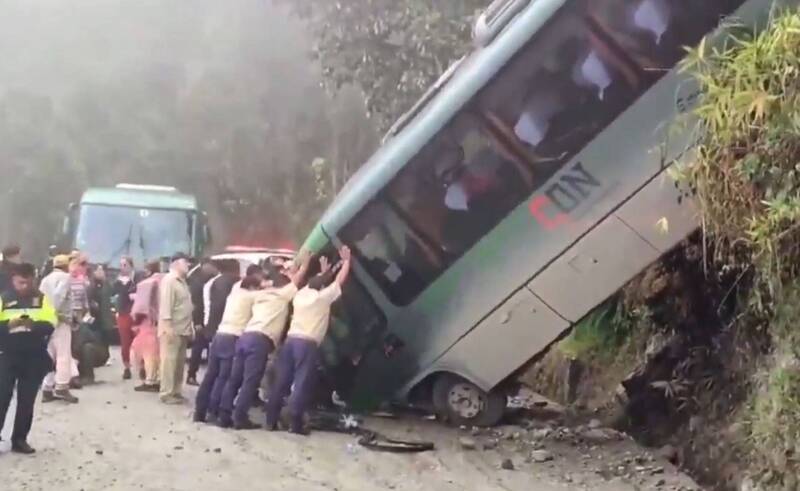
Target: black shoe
{"points": [[47, 396], [75, 383], [271, 426], [224, 423], [126, 374], [246, 425], [192, 381], [22, 447], [300, 431]]}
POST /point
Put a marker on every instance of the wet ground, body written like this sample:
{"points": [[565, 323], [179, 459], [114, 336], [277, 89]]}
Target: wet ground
{"points": [[117, 439]]}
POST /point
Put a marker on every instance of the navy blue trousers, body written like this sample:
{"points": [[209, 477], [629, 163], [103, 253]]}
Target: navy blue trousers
{"points": [[297, 364], [220, 362], [252, 351]]}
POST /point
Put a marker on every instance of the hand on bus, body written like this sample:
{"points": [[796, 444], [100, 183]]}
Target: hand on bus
{"points": [[299, 272], [345, 254], [324, 265]]}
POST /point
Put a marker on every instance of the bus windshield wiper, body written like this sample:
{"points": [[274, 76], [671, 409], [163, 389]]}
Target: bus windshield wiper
{"points": [[126, 246], [141, 242]]}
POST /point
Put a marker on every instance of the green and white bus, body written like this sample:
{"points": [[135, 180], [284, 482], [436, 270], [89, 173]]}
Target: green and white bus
{"points": [[527, 186], [145, 222]]}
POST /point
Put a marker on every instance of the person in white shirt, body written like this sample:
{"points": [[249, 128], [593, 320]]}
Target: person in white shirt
{"points": [[297, 361], [237, 313], [56, 286], [261, 336]]}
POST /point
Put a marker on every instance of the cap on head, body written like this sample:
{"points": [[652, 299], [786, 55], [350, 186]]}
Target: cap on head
{"points": [[61, 261], [179, 256]]}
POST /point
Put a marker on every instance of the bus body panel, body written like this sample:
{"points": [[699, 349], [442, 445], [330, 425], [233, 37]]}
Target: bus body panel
{"points": [[504, 340], [593, 269], [661, 213]]}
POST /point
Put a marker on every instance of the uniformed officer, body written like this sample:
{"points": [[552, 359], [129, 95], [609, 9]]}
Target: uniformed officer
{"points": [[27, 319]]}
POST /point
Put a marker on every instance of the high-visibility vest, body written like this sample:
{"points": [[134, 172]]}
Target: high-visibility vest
{"points": [[38, 308]]}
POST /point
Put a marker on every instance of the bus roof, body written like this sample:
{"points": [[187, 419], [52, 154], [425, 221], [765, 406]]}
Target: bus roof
{"points": [[473, 74], [140, 198]]}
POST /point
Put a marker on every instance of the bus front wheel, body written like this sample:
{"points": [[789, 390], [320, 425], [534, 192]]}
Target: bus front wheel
{"points": [[461, 402]]}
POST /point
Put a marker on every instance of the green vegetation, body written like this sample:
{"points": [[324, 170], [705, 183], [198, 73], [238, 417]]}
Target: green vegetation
{"points": [[747, 176], [747, 172], [393, 51], [601, 334]]}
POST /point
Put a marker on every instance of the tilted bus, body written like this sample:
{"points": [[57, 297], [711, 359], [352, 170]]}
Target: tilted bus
{"points": [[526, 187]]}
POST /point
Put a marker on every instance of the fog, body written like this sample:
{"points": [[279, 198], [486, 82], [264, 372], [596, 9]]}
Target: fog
{"points": [[217, 98]]}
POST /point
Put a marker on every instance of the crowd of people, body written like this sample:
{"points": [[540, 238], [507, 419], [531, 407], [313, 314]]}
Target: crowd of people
{"points": [[51, 334]]}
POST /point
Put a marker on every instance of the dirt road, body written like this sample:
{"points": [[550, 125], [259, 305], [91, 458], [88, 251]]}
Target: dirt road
{"points": [[116, 439]]}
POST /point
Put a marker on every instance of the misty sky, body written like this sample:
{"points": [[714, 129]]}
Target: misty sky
{"points": [[51, 46]]}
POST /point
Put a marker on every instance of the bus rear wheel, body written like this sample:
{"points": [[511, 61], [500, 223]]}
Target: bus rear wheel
{"points": [[462, 403]]}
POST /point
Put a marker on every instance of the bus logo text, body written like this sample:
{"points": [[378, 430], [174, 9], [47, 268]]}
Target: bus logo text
{"points": [[552, 208]]}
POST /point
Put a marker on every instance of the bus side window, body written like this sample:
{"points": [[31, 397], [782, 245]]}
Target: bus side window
{"points": [[391, 251], [559, 91], [655, 32], [460, 186]]}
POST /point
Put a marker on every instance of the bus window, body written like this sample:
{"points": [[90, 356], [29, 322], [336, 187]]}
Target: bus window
{"points": [[460, 186], [391, 251], [655, 32], [559, 91]]}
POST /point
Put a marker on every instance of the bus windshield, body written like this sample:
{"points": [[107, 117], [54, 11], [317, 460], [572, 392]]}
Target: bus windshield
{"points": [[107, 233]]}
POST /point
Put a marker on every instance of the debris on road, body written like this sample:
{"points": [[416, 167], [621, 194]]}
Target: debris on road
{"points": [[507, 464], [541, 456], [467, 443]]}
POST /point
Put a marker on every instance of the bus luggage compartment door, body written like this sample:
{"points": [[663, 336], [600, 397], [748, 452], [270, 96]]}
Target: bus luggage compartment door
{"points": [[662, 213], [593, 269], [510, 336]]}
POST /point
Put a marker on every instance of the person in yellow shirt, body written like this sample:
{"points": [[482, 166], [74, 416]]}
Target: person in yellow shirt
{"points": [[174, 328], [27, 320], [238, 311], [261, 335], [297, 362]]}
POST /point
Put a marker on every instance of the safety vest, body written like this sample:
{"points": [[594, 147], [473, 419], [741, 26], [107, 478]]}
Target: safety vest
{"points": [[23, 343], [37, 308]]}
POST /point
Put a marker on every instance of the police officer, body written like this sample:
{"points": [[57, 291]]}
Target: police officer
{"points": [[27, 319]]}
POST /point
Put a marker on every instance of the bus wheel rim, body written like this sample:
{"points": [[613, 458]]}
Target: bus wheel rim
{"points": [[465, 400]]}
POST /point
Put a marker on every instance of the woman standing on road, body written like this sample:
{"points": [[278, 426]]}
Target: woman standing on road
{"points": [[123, 289], [144, 347]]}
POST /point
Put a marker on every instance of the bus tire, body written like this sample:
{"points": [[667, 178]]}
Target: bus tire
{"points": [[462, 403]]}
